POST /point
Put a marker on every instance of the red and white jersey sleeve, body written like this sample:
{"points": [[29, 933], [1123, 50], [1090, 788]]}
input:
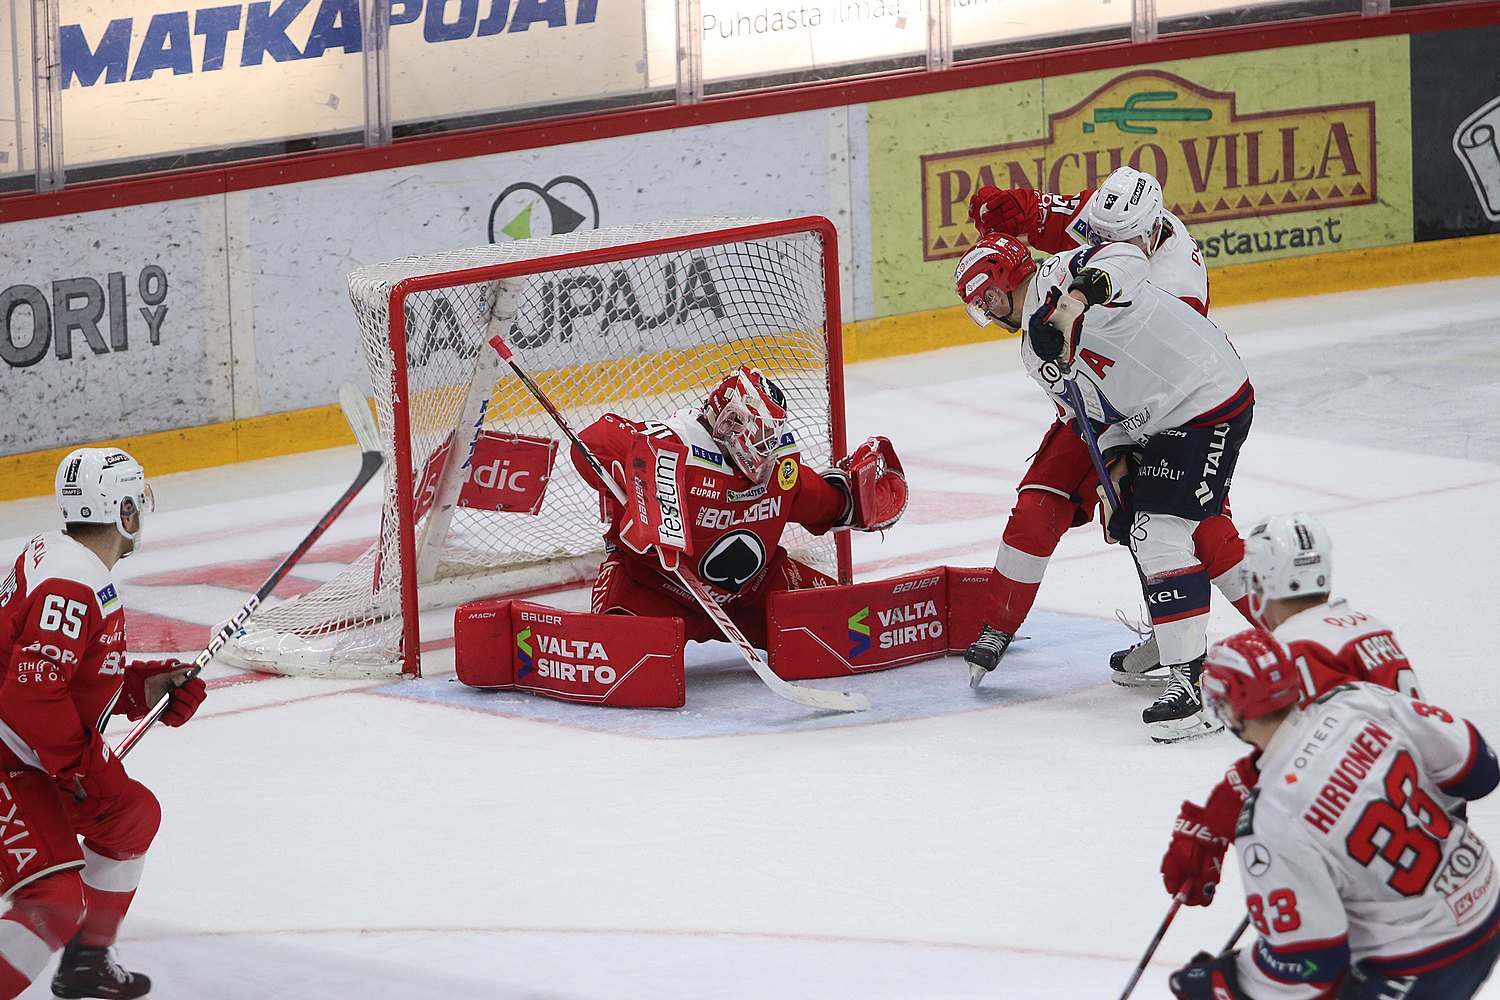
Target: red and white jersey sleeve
{"points": [[1349, 852], [62, 634], [1146, 361], [1333, 644], [734, 525]]}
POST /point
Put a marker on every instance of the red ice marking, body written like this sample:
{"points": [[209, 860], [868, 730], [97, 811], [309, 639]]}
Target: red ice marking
{"points": [[937, 507], [246, 576], [162, 634]]}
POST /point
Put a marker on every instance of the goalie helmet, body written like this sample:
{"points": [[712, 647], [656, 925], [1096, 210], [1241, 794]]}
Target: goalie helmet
{"points": [[104, 486], [996, 262], [1286, 555], [1127, 206], [1248, 675], [745, 414]]}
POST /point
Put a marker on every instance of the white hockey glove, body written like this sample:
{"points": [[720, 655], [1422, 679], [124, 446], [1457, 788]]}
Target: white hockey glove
{"points": [[1054, 329]]}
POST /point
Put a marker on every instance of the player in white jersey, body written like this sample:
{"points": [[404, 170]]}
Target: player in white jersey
{"points": [[1171, 403], [1059, 489], [1288, 570], [1358, 873]]}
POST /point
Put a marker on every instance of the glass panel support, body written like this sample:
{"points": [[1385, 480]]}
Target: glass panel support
{"points": [[689, 51], [47, 95], [939, 34], [375, 15], [1143, 26]]}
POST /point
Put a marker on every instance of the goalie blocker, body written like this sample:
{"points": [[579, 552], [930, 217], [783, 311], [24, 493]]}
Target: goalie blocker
{"points": [[626, 661]]}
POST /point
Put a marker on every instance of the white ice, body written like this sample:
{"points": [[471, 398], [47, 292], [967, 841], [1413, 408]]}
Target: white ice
{"points": [[415, 840]]}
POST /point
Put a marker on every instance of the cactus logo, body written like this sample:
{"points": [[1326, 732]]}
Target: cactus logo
{"points": [[523, 653], [524, 210], [859, 633]]}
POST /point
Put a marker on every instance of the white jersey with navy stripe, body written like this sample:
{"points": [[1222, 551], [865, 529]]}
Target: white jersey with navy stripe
{"points": [[1145, 360], [1348, 848]]}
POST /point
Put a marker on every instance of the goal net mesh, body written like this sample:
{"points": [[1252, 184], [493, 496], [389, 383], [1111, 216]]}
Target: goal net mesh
{"points": [[601, 328]]}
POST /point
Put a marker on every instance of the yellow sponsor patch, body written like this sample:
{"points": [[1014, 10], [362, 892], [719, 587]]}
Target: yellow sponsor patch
{"points": [[786, 473]]}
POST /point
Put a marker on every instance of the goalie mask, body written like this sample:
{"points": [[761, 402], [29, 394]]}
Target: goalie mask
{"points": [[744, 414], [104, 486], [1127, 206], [996, 264], [1248, 675], [1286, 555]]}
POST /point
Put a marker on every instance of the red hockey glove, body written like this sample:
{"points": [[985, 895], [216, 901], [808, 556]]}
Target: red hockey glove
{"points": [[1055, 327], [147, 680], [874, 483], [1195, 858], [1208, 978], [97, 777], [1014, 212]]}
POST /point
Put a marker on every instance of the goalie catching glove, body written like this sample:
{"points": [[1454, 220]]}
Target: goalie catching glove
{"points": [[1054, 329], [873, 484], [147, 680]]}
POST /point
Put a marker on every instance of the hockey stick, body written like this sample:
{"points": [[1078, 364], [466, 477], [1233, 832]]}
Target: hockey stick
{"points": [[1238, 933], [1091, 442], [832, 701], [1161, 932], [357, 412]]}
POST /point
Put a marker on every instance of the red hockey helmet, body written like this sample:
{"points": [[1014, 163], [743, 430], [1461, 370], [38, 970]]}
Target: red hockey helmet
{"points": [[1248, 675], [996, 262], [745, 413]]}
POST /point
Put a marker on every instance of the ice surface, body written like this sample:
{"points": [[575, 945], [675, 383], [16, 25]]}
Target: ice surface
{"points": [[419, 840]]}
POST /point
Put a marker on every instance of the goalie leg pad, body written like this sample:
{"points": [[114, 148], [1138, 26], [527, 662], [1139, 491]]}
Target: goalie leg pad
{"points": [[853, 629], [599, 659]]}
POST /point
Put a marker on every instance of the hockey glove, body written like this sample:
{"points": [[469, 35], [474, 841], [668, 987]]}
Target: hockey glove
{"points": [[147, 680], [874, 484], [97, 777], [1014, 212], [1055, 327], [1194, 861], [1208, 978], [1120, 464]]}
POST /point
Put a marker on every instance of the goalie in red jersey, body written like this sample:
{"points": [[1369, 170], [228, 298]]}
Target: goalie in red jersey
{"points": [[740, 479], [77, 827]]}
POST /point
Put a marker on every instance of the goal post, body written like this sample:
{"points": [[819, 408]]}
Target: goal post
{"points": [[481, 496]]}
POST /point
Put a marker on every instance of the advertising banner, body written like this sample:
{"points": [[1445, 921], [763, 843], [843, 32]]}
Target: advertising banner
{"points": [[256, 72], [1263, 154], [108, 326], [298, 242], [1455, 133]]}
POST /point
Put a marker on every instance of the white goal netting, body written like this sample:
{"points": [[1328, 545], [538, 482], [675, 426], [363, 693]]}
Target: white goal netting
{"points": [[481, 496]]}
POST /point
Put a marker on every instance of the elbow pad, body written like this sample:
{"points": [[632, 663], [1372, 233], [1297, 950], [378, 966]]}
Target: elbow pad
{"points": [[1094, 284]]}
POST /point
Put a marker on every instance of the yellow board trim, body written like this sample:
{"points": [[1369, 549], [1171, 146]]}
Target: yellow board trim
{"points": [[31, 474]]}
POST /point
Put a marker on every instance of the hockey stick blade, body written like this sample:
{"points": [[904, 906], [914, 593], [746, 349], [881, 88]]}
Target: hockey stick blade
{"points": [[361, 421], [370, 462], [817, 698]]}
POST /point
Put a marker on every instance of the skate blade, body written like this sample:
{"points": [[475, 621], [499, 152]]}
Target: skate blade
{"points": [[1126, 679], [1178, 730], [976, 674]]}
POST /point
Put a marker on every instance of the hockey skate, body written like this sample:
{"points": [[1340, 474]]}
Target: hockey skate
{"points": [[983, 654], [87, 973], [1138, 665], [1179, 714]]}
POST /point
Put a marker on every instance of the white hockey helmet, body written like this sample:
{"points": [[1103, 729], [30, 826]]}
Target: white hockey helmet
{"points": [[103, 486], [1127, 206], [1286, 555]]}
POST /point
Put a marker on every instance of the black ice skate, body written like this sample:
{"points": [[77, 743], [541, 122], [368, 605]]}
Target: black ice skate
{"points": [[983, 654], [1139, 665], [93, 974], [1178, 714]]}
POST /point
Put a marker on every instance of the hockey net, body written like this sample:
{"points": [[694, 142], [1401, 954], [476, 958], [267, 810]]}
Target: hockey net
{"points": [[637, 320]]}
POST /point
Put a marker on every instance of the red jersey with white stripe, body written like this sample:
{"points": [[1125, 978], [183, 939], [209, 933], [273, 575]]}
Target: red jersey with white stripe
{"points": [[62, 639], [1176, 264], [1349, 849], [1333, 644], [734, 525]]}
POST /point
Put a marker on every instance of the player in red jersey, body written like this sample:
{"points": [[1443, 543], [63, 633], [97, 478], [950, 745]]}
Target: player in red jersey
{"points": [[1289, 570], [743, 481], [62, 636], [1058, 490]]}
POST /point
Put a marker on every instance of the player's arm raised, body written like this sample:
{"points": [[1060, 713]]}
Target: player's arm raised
{"points": [[871, 484]]}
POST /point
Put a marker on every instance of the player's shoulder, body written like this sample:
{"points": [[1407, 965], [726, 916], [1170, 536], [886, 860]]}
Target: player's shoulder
{"points": [[53, 563], [1332, 625]]}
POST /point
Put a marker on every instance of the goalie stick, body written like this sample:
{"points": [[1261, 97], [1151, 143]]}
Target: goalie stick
{"points": [[362, 422], [832, 701]]}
